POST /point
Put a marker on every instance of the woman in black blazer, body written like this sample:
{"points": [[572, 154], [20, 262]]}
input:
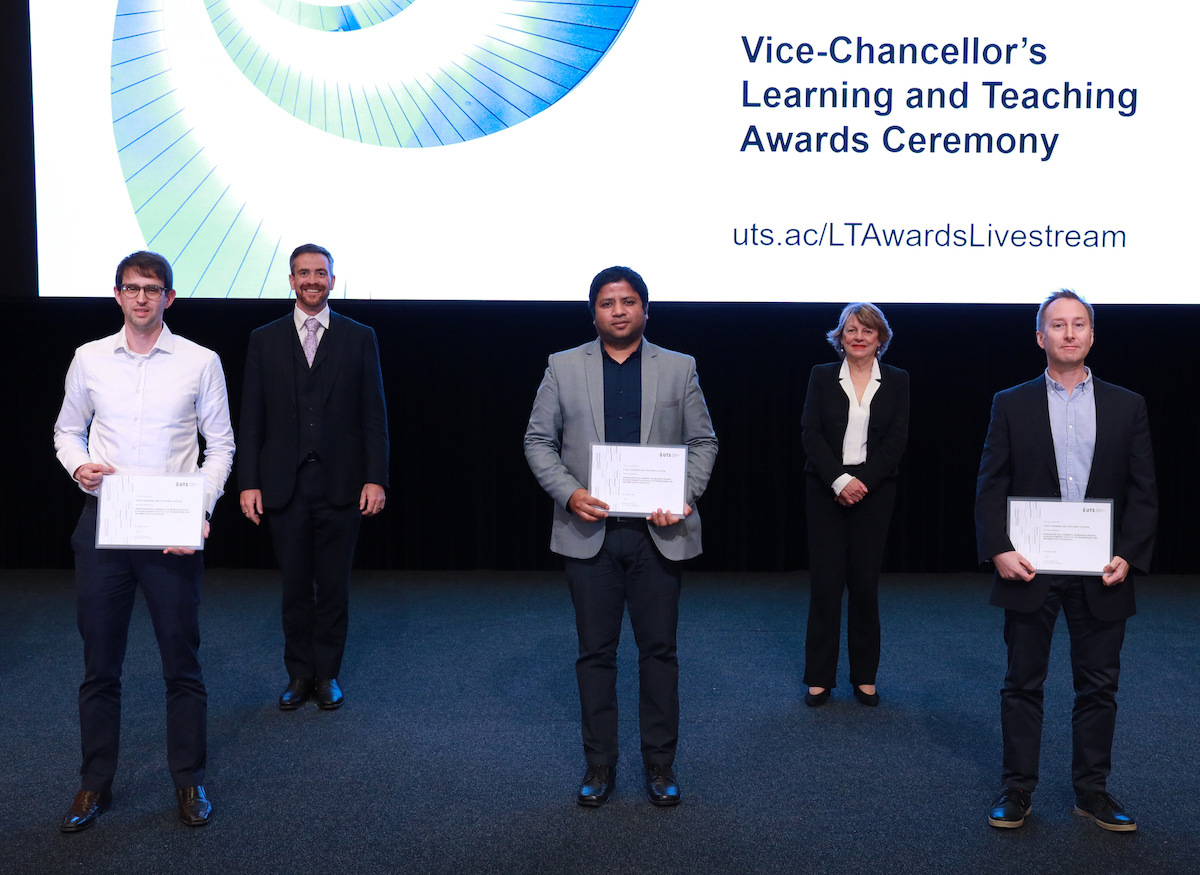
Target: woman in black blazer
{"points": [[855, 427]]}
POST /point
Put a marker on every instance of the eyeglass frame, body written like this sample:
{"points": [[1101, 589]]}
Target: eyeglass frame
{"points": [[153, 293]]}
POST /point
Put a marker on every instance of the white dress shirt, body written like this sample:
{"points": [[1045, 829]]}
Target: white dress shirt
{"points": [[141, 414], [854, 443]]}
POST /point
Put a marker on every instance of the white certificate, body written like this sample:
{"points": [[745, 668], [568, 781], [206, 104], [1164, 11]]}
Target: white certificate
{"points": [[638, 479], [151, 511], [1062, 537]]}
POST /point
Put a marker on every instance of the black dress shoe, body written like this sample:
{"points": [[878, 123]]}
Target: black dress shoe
{"points": [[1106, 811], [871, 699], [194, 807], [661, 786], [328, 694], [597, 785], [297, 693], [1010, 808], [84, 811], [815, 700]]}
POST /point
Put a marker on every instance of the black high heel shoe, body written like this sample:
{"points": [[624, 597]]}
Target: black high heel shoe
{"points": [[871, 699], [816, 700]]}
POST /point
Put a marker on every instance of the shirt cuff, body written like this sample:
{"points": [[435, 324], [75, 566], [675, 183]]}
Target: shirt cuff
{"points": [[841, 483]]}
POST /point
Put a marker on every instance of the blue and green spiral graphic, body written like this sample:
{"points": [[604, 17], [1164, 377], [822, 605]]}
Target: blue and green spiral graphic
{"points": [[522, 63]]}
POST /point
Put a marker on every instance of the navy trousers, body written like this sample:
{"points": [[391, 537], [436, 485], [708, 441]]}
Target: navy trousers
{"points": [[628, 570], [845, 550], [1096, 668], [314, 543], [105, 583]]}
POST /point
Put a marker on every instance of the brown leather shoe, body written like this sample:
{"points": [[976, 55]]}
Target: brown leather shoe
{"points": [[84, 811], [327, 694], [194, 807]]}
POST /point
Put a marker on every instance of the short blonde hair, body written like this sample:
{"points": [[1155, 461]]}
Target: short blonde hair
{"points": [[871, 317]]}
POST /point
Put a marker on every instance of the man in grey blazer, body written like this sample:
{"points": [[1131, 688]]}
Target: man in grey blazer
{"points": [[621, 388]]}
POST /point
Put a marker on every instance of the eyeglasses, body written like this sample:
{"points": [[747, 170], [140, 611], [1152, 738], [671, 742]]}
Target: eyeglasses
{"points": [[153, 293]]}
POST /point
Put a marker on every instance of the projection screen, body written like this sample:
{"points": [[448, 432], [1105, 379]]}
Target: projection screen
{"points": [[765, 150]]}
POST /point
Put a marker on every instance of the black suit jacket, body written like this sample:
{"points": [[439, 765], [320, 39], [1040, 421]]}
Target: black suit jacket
{"points": [[827, 412], [353, 444], [1018, 460]]}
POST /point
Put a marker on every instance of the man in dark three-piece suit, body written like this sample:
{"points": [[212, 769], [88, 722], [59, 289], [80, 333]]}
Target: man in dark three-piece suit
{"points": [[1070, 436], [621, 388], [314, 460]]}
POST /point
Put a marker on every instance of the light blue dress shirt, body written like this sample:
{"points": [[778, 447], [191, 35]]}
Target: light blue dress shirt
{"points": [[1073, 427]]}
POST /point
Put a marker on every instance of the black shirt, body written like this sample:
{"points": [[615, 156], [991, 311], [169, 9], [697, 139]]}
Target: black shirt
{"points": [[623, 398]]}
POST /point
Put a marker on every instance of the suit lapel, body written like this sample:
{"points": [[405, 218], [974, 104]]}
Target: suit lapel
{"points": [[1038, 407], [839, 402], [593, 370], [286, 345], [649, 387], [1103, 433], [329, 355]]}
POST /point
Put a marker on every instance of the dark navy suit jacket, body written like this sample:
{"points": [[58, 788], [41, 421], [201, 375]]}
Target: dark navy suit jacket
{"points": [[353, 443], [1018, 460]]}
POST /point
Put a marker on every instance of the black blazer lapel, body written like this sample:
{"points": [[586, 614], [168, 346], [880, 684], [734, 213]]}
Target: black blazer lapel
{"points": [[330, 353], [1104, 430], [1037, 408]]}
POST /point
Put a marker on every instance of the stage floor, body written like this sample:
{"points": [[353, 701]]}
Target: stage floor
{"points": [[458, 748]]}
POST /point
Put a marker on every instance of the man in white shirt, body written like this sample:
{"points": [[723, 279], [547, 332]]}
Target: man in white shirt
{"points": [[135, 403]]}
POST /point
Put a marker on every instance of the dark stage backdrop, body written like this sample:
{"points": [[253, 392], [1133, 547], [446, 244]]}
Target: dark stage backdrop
{"points": [[460, 382]]}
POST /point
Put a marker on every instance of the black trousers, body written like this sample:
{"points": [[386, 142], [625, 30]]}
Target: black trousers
{"points": [[1096, 668], [628, 570], [314, 544], [845, 551], [106, 582]]}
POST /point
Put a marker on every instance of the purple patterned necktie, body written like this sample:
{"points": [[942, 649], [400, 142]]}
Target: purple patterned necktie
{"points": [[310, 341]]}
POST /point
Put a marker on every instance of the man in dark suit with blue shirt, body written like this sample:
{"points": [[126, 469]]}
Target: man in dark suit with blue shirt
{"points": [[314, 461], [1070, 436]]}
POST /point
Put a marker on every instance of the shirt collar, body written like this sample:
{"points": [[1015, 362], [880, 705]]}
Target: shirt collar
{"points": [[1054, 385], [164, 342], [876, 374], [299, 316], [637, 353]]}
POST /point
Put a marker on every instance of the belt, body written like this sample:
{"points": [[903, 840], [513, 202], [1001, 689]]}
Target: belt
{"points": [[613, 521]]}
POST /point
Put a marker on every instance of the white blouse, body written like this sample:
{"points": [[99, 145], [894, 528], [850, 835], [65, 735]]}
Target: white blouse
{"points": [[854, 443]]}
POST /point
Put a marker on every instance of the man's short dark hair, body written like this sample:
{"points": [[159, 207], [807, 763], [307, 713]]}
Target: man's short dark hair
{"points": [[309, 249], [1063, 293], [618, 274], [147, 264]]}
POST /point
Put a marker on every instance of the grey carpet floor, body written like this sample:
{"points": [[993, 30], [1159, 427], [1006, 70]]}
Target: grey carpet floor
{"points": [[458, 749]]}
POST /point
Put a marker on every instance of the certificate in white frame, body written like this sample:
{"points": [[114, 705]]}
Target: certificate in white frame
{"points": [[151, 512], [635, 480], [1062, 537]]}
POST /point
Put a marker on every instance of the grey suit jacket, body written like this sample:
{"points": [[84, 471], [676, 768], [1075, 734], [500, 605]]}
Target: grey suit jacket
{"points": [[568, 417]]}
